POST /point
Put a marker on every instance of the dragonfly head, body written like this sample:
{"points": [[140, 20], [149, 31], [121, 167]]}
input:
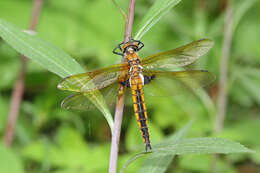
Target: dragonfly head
{"points": [[130, 47]]}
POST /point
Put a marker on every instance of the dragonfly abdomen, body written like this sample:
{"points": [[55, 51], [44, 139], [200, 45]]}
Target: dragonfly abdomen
{"points": [[140, 113]]}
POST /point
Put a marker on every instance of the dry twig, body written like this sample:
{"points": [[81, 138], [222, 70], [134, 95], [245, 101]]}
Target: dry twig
{"points": [[18, 90]]}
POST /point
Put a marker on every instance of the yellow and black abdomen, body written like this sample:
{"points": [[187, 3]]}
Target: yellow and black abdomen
{"points": [[140, 109]]}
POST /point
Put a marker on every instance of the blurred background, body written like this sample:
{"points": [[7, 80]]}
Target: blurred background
{"points": [[49, 139]]}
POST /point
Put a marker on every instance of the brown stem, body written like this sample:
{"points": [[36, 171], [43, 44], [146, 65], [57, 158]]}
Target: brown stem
{"points": [[130, 21], [121, 97], [15, 104], [223, 80], [18, 90], [35, 14], [222, 98]]}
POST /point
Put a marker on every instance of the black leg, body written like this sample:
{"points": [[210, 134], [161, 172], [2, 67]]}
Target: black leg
{"points": [[140, 44], [148, 79], [148, 147], [119, 46], [126, 83], [118, 50]]}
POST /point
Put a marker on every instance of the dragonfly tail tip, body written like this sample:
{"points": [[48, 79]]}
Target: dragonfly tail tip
{"points": [[148, 147]]}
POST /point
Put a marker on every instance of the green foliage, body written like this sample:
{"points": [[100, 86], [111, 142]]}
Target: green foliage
{"points": [[158, 162], [134, 141], [162, 153], [74, 159], [44, 53], [192, 162], [200, 146], [52, 140], [155, 13], [49, 57], [9, 161]]}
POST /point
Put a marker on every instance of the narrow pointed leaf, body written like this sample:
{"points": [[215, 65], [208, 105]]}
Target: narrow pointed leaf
{"points": [[200, 146], [158, 10], [158, 161], [187, 146], [49, 57], [240, 10]]}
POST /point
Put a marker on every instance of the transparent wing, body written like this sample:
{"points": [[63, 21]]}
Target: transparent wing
{"points": [[82, 101], [164, 83], [179, 57], [91, 81]]}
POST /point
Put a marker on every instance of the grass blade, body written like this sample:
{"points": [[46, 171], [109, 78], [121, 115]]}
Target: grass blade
{"points": [[158, 163], [158, 10], [241, 9], [49, 57], [200, 146], [40, 51], [157, 160], [161, 155]]}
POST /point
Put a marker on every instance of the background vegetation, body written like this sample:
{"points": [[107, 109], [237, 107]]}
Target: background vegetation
{"points": [[50, 139]]}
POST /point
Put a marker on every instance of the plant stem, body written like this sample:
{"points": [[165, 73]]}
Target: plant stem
{"points": [[121, 97], [18, 90], [223, 80], [129, 21]]}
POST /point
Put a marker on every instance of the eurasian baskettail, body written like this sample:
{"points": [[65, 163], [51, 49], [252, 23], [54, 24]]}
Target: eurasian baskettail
{"points": [[148, 75]]}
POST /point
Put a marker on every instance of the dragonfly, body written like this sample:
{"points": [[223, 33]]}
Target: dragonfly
{"points": [[153, 74]]}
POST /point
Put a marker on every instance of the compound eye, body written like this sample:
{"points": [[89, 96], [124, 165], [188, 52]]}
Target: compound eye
{"points": [[130, 62], [138, 61]]}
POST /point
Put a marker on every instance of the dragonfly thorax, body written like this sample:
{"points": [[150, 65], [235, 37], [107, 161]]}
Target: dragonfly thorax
{"points": [[136, 74], [130, 49]]}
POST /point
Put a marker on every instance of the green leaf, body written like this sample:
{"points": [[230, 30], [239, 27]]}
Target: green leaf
{"points": [[134, 141], [158, 10], [50, 57], [181, 133], [200, 146], [40, 51], [9, 161], [240, 10], [203, 163], [251, 86], [158, 162], [187, 146], [4, 111], [69, 144]]}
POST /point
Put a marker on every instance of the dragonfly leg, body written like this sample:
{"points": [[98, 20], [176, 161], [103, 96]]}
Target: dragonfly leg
{"points": [[148, 79], [148, 147], [119, 46], [126, 83], [139, 43]]}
